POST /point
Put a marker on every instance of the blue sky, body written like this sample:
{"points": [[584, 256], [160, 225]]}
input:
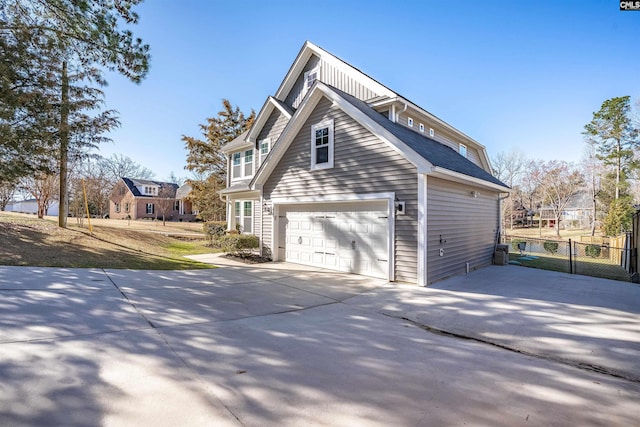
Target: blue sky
{"points": [[511, 74]]}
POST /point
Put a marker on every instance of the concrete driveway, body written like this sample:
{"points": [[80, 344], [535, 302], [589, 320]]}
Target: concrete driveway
{"points": [[278, 344]]}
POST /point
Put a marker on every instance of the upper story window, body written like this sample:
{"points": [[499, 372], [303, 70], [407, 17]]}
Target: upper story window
{"points": [[431, 132], [421, 127], [150, 190], [242, 164], [310, 77], [410, 122], [462, 149], [322, 145], [248, 162], [265, 146], [236, 170]]}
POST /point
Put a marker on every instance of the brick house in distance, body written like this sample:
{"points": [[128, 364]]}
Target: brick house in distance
{"points": [[145, 199]]}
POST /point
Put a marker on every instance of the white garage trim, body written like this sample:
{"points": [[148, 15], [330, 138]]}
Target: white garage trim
{"points": [[422, 230], [389, 198]]}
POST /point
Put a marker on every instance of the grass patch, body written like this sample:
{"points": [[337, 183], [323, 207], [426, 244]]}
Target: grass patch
{"points": [[584, 266], [28, 241]]}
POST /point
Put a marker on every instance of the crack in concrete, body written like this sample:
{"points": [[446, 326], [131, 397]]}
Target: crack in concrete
{"points": [[573, 363]]}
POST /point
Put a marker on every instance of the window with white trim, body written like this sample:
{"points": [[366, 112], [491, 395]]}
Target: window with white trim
{"points": [[264, 146], [117, 207], [421, 126], [310, 77], [236, 170], [431, 132], [150, 209], [410, 122], [242, 164], [126, 207], [248, 163], [244, 215], [322, 145], [462, 149]]}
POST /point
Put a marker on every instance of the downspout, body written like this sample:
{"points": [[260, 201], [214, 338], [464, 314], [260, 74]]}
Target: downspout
{"points": [[406, 105]]}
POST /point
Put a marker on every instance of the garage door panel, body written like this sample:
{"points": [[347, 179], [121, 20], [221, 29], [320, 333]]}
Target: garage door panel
{"points": [[349, 237]]}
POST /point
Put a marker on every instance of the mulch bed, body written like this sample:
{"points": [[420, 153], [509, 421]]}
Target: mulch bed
{"points": [[248, 259]]}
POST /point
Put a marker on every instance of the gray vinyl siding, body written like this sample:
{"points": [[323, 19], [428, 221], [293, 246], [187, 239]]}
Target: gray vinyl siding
{"points": [[467, 226], [257, 218], [267, 249], [273, 127], [362, 164], [332, 76]]}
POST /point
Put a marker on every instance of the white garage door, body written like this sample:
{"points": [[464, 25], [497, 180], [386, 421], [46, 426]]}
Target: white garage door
{"points": [[349, 237]]}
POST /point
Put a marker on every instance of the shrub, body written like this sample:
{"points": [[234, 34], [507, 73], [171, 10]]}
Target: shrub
{"points": [[214, 229], [238, 244], [592, 250], [550, 246]]}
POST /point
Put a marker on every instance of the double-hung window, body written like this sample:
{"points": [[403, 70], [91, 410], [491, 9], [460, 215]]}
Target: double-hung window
{"points": [[150, 209], [248, 163], [244, 215], [322, 145], [236, 171], [265, 145]]}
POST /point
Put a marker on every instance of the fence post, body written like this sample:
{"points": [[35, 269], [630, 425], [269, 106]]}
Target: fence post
{"points": [[570, 258]]}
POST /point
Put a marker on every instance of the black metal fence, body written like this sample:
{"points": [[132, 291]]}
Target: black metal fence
{"points": [[609, 260]]}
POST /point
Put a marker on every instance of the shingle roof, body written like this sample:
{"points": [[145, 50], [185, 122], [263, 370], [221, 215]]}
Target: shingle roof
{"points": [[238, 142], [133, 184], [183, 191], [433, 151]]}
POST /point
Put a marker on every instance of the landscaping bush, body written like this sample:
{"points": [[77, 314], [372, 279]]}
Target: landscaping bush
{"points": [[592, 250], [550, 246], [214, 229], [238, 244]]}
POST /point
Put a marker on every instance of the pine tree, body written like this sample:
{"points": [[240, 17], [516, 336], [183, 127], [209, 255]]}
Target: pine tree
{"points": [[616, 138], [86, 37], [206, 159]]}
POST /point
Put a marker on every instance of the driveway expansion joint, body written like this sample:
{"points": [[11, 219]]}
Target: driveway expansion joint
{"points": [[580, 365]]}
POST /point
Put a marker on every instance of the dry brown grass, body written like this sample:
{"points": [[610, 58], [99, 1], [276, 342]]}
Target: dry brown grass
{"points": [[27, 240]]}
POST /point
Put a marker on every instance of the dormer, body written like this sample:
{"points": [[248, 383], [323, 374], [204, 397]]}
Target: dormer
{"points": [[148, 189]]}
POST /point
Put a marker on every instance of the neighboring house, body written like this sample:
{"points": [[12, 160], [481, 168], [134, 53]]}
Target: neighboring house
{"points": [[31, 206], [340, 172], [142, 198], [577, 213], [185, 207]]}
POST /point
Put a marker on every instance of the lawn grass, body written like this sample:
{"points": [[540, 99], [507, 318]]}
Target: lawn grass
{"points": [[585, 266], [28, 241]]}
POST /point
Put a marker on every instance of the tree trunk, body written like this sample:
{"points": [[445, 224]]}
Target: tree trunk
{"points": [[64, 147], [618, 167], [558, 226]]}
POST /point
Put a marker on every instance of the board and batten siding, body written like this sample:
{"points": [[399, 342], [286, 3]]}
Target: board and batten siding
{"points": [[362, 164], [331, 75], [466, 224], [440, 135]]}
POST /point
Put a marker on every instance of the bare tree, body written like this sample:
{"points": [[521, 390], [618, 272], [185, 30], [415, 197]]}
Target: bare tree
{"points": [[43, 187], [593, 171], [509, 168], [165, 201], [560, 183], [119, 166], [7, 191]]}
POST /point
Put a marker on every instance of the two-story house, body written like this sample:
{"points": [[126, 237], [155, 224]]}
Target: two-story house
{"points": [[144, 199], [338, 171]]}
